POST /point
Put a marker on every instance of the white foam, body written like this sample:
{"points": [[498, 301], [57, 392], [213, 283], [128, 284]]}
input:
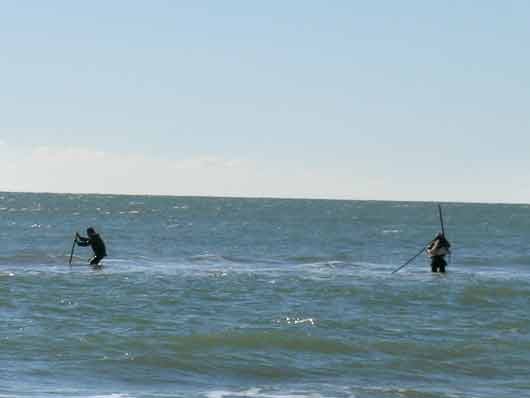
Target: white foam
{"points": [[259, 393]]}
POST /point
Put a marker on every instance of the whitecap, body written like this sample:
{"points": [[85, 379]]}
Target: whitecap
{"points": [[297, 321], [259, 393]]}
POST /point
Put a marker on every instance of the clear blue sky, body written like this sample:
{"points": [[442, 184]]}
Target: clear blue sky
{"points": [[411, 100]]}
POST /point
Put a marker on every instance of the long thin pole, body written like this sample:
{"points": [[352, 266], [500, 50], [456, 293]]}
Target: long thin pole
{"points": [[441, 219], [72, 251], [426, 246], [411, 259]]}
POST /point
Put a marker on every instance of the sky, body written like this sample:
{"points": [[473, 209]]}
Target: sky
{"points": [[387, 100]]}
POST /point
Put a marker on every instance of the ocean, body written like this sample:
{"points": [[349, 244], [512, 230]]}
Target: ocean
{"points": [[261, 298]]}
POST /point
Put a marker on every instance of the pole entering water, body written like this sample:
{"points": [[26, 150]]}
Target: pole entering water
{"points": [[72, 251]]}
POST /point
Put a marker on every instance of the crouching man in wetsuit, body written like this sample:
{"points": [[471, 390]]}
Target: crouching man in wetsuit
{"points": [[437, 250], [94, 241]]}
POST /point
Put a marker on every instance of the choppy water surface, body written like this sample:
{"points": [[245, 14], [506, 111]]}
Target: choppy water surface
{"points": [[219, 298]]}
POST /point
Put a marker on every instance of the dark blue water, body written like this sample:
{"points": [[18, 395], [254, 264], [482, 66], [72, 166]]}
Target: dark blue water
{"points": [[213, 297]]}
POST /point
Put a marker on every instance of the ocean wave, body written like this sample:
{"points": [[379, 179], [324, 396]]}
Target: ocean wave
{"points": [[423, 351], [259, 393], [33, 258], [217, 258], [402, 392], [492, 261], [340, 258], [259, 340], [111, 395], [492, 293], [251, 352], [207, 258], [333, 391]]}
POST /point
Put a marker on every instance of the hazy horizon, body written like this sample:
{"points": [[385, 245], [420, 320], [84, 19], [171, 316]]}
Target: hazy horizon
{"points": [[132, 194]]}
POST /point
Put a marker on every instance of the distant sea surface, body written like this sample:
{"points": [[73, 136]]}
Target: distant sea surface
{"points": [[263, 298]]}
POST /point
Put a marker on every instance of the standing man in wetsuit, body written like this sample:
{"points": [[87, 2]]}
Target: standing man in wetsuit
{"points": [[94, 241], [437, 250]]}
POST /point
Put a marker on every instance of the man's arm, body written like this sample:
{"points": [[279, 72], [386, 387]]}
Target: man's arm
{"points": [[433, 247], [82, 241]]}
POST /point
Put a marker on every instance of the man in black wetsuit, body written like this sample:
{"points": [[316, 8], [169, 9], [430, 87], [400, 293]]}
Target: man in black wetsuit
{"points": [[94, 241], [437, 250]]}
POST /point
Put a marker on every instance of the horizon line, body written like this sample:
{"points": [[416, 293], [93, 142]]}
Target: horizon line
{"points": [[259, 197]]}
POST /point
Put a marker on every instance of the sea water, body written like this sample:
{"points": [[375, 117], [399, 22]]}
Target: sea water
{"points": [[220, 298]]}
